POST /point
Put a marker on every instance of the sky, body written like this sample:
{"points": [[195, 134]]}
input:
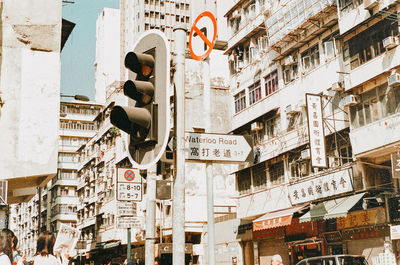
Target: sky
{"points": [[78, 54]]}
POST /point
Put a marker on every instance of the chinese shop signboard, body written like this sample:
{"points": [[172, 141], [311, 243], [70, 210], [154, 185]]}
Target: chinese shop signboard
{"points": [[322, 187], [316, 130], [361, 218]]}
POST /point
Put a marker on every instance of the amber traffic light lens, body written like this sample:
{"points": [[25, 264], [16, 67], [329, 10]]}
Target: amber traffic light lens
{"points": [[146, 70]]}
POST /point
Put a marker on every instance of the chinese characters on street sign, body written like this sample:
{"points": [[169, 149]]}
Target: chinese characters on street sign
{"points": [[396, 166], [316, 133], [129, 185], [218, 147], [322, 187], [124, 222]]}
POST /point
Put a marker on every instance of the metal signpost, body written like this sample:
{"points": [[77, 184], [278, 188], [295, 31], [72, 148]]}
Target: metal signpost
{"points": [[129, 189]]}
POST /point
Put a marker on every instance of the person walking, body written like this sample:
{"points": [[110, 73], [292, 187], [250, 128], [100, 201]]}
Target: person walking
{"points": [[45, 251], [17, 258], [5, 248], [276, 260]]}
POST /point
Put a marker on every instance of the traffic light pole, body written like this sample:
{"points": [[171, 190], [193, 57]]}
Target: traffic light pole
{"points": [[178, 204], [150, 217]]}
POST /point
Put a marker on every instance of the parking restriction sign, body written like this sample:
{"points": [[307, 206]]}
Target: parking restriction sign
{"points": [[129, 185]]}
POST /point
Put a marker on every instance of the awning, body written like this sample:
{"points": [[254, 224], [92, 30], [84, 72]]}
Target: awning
{"points": [[331, 209], [275, 219]]}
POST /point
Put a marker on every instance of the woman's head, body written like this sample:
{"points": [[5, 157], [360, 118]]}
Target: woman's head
{"points": [[10, 236], [45, 243], [5, 242]]}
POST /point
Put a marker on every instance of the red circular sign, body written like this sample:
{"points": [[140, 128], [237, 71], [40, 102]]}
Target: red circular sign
{"points": [[208, 43], [129, 175]]}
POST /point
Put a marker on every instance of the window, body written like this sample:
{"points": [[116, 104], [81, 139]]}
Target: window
{"points": [[369, 43], [374, 105], [330, 45], [240, 101], [244, 181], [310, 58], [299, 169], [276, 173], [254, 92], [259, 176], [272, 127], [271, 83], [295, 120]]}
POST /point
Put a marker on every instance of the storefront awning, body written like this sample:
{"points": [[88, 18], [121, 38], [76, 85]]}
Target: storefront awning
{"points": [[331, 209], [275, 219]]}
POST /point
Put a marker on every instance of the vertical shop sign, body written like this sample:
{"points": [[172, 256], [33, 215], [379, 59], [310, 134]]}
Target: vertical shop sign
{"points": [[316, 133], [396, 166]]}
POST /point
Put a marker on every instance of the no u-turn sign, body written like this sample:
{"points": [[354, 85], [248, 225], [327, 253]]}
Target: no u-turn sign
{"points": [[202, 36]]}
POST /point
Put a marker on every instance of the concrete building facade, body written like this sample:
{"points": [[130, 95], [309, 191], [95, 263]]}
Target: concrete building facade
{"points": [[58, 199], [30, 72], [278, 52]]}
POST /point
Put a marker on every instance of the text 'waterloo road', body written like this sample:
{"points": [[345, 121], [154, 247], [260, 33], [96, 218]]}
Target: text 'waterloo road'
{"points": [[218, 147]]}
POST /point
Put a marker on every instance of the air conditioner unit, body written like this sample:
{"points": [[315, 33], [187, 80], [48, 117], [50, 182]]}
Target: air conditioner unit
{"points": [[394, 79], [305, 154], [289, 60], [350, 100], [369, 4], [390, 42], [337, 86], [256, 126], [290, 109]]}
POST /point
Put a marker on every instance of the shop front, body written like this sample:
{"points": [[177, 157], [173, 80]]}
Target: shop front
{"points": [[304, 240], [364, 233], [269, 235]]}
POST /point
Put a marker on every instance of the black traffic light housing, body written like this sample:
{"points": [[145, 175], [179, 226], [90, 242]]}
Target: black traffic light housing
{"points": [[146, 118]]}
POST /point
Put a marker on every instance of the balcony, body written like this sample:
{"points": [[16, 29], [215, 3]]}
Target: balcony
{"points": [[373, 68], [364, 139], [89, 221], [72, 181], [246, 28], [257, 203]]}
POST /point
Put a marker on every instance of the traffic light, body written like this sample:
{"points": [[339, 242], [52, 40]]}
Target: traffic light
{"points": [[146, 118]]}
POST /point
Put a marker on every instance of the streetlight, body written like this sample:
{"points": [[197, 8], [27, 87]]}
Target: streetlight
{"points": [[76, 97]]}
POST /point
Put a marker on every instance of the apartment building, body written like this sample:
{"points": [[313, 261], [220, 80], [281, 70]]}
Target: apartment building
{"points": [[58, 199], [346, 53]]}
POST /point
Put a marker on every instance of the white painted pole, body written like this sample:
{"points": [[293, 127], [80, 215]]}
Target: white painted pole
{"points": [[178, 203], [150, 217]]}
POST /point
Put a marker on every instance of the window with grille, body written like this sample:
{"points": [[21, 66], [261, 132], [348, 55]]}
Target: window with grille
{"points": [[255, 92], [259, 176], [310, 58], [276, 173], [240, 101], [244, 181]]}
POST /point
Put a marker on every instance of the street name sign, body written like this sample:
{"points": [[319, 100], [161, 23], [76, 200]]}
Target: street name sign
{"points": [[129, 185], [124, 222], [218, 147], [202, 36]]}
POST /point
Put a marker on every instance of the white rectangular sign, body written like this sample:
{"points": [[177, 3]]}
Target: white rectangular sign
{"points": [[129, 185], [129, 222], [218, 147], [321, 187], [316, 133], [126, 209], [129, 192], [394, 232], [67, 237]]}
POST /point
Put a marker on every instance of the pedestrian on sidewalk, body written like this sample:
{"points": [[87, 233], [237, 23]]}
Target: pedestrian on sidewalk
{"points": [[276, 260], [45, 251], [5, 249], [17, 259]]}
